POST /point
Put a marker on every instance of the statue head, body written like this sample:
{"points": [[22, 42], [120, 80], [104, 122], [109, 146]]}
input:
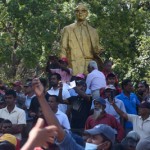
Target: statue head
{"points": [[81, 12]]}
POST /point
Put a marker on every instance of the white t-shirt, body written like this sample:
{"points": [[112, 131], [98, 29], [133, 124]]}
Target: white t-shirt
{"points": [[65, 95], [142, 127], [17, 116], [63, 119]]}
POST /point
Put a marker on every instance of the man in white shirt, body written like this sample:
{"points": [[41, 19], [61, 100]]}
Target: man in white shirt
{"points": [[62, 117], [54, 83], [141, 122], [14, 114], [95, 79], [110, 92]]}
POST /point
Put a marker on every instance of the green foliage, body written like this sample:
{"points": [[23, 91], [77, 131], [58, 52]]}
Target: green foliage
{"points": [[30, 31]]}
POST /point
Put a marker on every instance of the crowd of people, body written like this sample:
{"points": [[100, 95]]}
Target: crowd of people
{"points": [[75, 112]]}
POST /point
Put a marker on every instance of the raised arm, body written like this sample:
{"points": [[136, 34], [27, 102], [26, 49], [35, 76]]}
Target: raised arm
{"points": [[119, 111], [47, 111]]}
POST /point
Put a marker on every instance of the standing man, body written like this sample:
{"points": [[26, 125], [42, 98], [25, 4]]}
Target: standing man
{"points": [[55, 90], [80, 41], [143, 91], [130, 101], [95, 79], [14, 114]]}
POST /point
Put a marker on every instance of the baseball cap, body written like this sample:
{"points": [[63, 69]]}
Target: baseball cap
{"points": [[110, 86], [102, 129], [64, 59], [134, 135], [80, 75], [145, 104], [10, 138], [100, 100]]}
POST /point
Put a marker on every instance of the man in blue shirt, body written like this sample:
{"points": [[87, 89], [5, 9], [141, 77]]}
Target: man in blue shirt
{"points": [[130, 101]]}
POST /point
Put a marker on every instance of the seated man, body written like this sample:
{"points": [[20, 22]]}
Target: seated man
{"points": [[14, 114], [101, 117], [141, 122], [110, 92], [62, 117]]}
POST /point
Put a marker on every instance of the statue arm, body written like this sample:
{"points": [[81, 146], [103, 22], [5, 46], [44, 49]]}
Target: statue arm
{"points": [[64, 42]]}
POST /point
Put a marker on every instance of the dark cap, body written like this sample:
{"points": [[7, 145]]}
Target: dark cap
{"points": [[101, 101], [145, 104], [81, 82], [102, 129]]}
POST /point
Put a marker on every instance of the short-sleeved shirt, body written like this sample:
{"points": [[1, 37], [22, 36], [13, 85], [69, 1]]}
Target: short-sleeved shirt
{"points": [[65, 95], [142, 127], [16, 116], [63, 119], [79, 112], [130, 104], [109, 120], [110, 109], [95, 80]]}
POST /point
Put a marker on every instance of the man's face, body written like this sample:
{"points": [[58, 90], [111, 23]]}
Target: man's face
{"points": [[141, 89], [5, 127], [94, 139], [81, 13], [143, 111], [52, 103], [54, 81], [89, 69], [10, 100], [17, 88], [111, 80], [108, 67], [129, 87], [28, 89], [82, 87], [97, 105]]}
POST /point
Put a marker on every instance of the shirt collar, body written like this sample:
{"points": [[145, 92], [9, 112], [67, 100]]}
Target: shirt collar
{"points": [[145, 119], [14, 110]]}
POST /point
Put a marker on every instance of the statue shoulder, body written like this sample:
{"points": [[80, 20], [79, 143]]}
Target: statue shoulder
{"points": [[91, 28], [71, 26]]}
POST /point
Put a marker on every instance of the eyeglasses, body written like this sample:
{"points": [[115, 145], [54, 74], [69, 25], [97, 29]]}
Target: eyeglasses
{"points": [[82, 11]]}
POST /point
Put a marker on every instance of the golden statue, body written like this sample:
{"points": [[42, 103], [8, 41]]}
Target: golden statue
{"points": [[80, 41]]}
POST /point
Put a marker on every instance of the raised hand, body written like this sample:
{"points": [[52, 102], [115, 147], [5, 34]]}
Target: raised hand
{"points": [[39, 136], [38, 87]]}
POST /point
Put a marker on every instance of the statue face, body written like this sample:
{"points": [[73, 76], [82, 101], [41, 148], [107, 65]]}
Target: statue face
{"points": [[81, 12]]}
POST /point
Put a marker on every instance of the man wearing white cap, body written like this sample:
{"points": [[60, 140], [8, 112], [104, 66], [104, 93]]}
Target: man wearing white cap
{"points": [[110, 93]]}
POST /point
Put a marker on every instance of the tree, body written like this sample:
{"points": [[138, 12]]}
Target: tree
{"points": [[30, 31]]}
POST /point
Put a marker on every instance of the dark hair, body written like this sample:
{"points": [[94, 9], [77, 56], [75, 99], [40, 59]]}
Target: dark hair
{"points": [[110, 75], [125, 82], [57, 75], [1, 120], [55, 96], [11, 92], [107, 61], [145, 84], [43, 81], [5, 145], [7, 121]]}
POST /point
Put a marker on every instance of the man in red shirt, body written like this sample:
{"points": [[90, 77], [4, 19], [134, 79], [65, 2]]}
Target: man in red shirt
{"points": [[101, 117]]}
